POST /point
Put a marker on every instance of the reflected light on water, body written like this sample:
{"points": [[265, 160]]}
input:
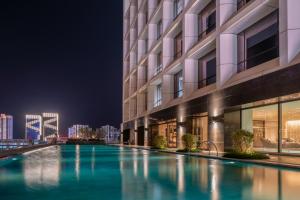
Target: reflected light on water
{"points": [[135, 161], [180, 166], [145, 158], [77, 162], [42, 170], [214, 181], [93, 160], [135, 174]]}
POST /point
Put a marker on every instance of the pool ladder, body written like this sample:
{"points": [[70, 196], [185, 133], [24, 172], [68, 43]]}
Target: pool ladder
{"points": [[209, 144]]}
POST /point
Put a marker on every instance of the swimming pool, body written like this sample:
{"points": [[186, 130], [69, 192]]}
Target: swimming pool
{"points": [[103, 172]]}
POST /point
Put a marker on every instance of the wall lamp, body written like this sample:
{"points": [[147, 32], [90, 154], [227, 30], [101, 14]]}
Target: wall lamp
{"points": [[216, 119], [181, 123]]}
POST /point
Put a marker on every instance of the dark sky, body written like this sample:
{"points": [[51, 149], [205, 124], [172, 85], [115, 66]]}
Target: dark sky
{"points": [[61, 56]]}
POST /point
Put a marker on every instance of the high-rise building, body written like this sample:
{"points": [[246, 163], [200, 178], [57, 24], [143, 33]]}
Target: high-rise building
{"points": [[209, 68], [6, 127], [33, 127], [109, 133], [50, 125], [75, 130]]}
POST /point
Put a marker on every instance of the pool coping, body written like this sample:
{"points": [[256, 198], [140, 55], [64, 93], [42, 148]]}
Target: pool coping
{"points": [[257, 162], [15, 152]]}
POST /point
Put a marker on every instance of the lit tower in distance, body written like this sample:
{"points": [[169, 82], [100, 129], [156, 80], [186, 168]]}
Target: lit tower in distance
{"points": [[50, 125], [33, 129], [6, 127]]}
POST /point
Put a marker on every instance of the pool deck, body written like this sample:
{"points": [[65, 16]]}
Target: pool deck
{"points": [[13, 152], [275, 160]]}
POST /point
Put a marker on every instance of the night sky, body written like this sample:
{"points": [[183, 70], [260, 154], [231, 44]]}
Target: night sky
{"points": [[61, 56]]}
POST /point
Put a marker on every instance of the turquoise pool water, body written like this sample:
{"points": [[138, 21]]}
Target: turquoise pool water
{"points": [[101, 172]]}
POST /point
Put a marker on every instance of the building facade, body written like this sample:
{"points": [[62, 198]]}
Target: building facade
{"points": [[6, 127], [33, 129], [75, 130], [110, 134], [50, 126], [210, 67]]}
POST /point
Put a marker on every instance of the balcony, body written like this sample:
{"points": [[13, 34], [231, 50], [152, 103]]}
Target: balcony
{"points": [[157, 103], [178, 94], [158, 70], [258, 58], [207, 81], [242, 3]]}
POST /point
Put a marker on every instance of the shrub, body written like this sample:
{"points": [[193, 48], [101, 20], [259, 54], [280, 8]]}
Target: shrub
{"points": [[159, 142], [189, 141], [242, 141], [195, 150], [252, 155]]}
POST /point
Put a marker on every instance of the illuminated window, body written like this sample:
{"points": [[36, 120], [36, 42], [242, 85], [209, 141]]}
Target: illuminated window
{"points": [[263, 123], [291, 127]]}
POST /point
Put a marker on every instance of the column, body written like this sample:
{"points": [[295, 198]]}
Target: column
{"points": [[289, 29]]}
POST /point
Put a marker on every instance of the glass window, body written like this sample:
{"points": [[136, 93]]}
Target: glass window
{"points": [[159, 29], [291, 127], [178, 46], [200, 130], [206, 72], [263, 123], [146, 101], [178, 7], [211, 22], [159, 64], [207, 20], [259, 43], [158, 96], [178, 84], [263, 46]]}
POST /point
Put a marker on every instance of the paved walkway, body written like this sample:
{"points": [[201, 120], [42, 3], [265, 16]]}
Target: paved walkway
{"points": [[275, 160]]}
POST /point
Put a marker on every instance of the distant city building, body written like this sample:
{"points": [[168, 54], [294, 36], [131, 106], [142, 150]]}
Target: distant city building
{"points": [[109, 133], [6, 127], [33, 127], [75, 130], [50, 125]]}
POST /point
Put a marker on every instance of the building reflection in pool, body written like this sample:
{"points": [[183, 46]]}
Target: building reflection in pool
{"points": [[158, 176], [42, 169]]}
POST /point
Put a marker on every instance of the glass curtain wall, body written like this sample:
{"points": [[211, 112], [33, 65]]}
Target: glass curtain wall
{"points": [[266, 121], [263, 123], [169, 131], [290, 123], [200, 130]]}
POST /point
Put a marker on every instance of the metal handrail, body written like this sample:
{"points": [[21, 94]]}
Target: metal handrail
{"points": [[242, 3], [209, 143], [203, 83], [205, 32], [244, 62]]}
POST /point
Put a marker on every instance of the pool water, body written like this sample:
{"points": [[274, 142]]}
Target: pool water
{"points": [[103, 172]]}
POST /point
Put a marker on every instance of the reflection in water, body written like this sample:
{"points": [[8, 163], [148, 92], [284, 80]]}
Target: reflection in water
{"points": [[121, 173], [93, 160], [215, 180], [145, 158], [135, 161], [180, 163], [77, 162], [196, 178], [42, 168]]}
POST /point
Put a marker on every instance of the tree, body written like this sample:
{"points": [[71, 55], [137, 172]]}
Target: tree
{"points": [[242, 141], [159, 142], [189, 141]]}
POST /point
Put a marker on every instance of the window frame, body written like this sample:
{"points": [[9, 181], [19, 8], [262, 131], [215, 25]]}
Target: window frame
{"points": [[178, 80]]}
